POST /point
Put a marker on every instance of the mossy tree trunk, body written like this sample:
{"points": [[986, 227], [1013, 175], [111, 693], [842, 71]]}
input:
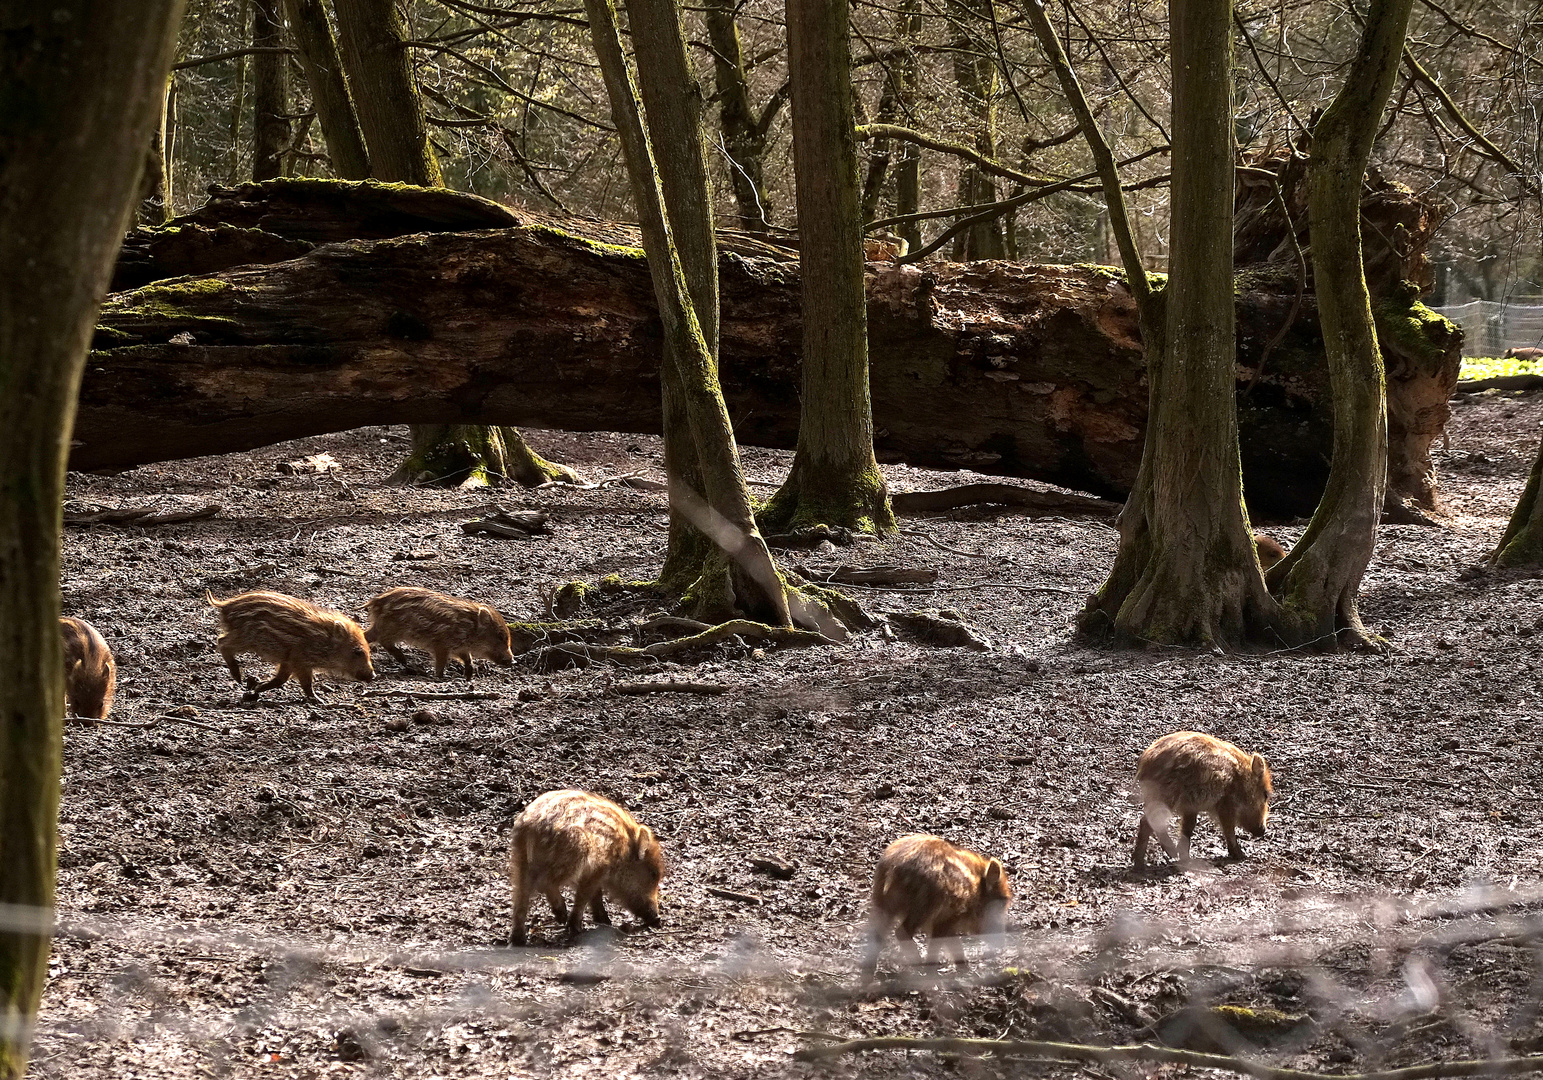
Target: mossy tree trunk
{"points": [[389, 107], [709, 491], [1186, 572], [975, 73], [270, 91], [1319, 580], [473, 456], [379, 66], [835, 480], [318, 52], [1522, 542], [83, 81]]}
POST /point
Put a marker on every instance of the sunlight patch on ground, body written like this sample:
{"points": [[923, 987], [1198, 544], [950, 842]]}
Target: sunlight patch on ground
{"points": [[1493, 367]]}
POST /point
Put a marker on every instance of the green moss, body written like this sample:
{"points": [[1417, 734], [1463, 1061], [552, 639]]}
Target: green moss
{"points": [[710, 598], [620, 251], [170, 302], [1158, 281], [180, 290], [1412, 329], [855, 502], [572, 597], [1270, 278], [105, 337], [524, 636]]}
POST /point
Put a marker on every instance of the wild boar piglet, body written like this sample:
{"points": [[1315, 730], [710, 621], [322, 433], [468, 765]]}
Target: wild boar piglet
{"points": [[573, 839], [1270, 550], [439, 625], [298, 636], [1524, 354], [90, 675], [1187, 774], [925, 885]]}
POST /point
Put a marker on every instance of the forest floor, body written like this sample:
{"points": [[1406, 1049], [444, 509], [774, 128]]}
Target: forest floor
{"points": [[298, 891]]}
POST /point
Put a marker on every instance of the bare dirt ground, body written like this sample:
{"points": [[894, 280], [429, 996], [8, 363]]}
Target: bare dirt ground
{"points": [[295, 891]]}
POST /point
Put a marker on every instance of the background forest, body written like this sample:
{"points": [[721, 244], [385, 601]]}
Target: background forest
{"points": [[517, 113]]}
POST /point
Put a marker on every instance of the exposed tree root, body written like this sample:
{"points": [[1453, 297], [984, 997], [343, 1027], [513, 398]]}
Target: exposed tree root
{"points": [[526, 467], [812, 499], [933, 627], [577, 654], [474, 456], [1034, 503]]}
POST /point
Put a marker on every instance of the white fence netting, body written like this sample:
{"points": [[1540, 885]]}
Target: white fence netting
{"points": [[1491, 327]]}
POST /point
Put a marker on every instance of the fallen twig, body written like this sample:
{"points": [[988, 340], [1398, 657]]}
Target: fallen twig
{"points": [[872, 575], [956, 551], [583, 654], [1054, 1051], [468, 695], [730, 894], [92, 720], [670, 688], [189, 723]]}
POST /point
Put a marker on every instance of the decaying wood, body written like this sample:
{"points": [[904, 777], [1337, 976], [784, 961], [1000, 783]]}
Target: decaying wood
{"points": [[142, 517], [1015, 370], [773, 866], [935, 628], [518, 525], [1035, 502]]}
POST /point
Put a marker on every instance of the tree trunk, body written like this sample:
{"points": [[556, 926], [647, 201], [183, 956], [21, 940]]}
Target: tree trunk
{"points": [[385, 92], [1014, 370], [744, 133], [1319, 581], [718, 504], [318, 50], [975, 73], [908, 27], [835, 480], [93, 75], [390, 111], [1522, 542], [693, 564], [154, 198], [473, 456], [270, 92], [1186, 572]]}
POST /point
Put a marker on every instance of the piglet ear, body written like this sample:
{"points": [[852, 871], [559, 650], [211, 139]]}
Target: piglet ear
{"points": [[991, 880], [1259, 767], [643, 840]]}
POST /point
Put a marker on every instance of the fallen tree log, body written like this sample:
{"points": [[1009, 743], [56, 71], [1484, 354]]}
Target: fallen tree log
{"points": [[1014, 370]]}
